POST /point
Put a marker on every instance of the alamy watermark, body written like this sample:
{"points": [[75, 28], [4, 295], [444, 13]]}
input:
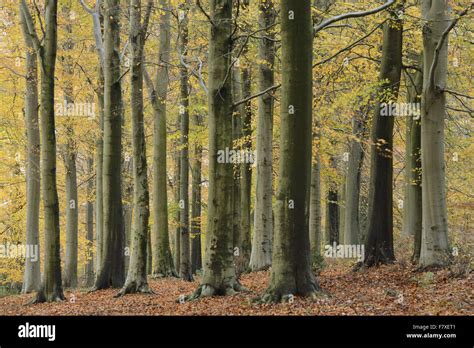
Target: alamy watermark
{"points": [[28, 251], [236, 156], [68, 109], [401, 110], [345, 251]]}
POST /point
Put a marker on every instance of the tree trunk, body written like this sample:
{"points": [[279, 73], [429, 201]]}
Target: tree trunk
{"points": [[160, 245], [70, 267], [185, 271], [351, 228], [177, 215], [51, 286], [315, 209], [70, 155], [379, 244], [89, 269], [32, 275], [412, 207], [261, 253], [236, 141], [219, 276], [137, 276], [291, 268], [196, 255], [434, 237], [243, 240], [332, 208], [111, 270]]}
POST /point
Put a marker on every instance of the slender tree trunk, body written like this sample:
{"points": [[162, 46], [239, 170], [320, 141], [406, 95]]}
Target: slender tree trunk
{"points": [[185, 258], [160, 245], [196, 255], [379, 244], [332, 208], [111, 270], [315, 209], [261, 253], [291, 267], [51, 286], [219, 276], [342, 207], [412, 207], [89, 269], [32, 275], [177, 215], [70, 267], [243, 240], [434, 237], [351, 228], [70, 156], [136, 280], [99, 160], [236, 141]]}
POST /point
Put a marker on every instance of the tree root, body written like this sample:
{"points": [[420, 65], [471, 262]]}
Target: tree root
{"points": [[207, 290], [166, 274], [134, 288], [41, 298]]}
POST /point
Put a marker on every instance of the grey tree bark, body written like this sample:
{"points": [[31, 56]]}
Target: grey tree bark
{"points": [[332, 207], [243, 240], [412, 208], [72, 215], [32, 275], [379, 244], [162, 260], [196, 254], [89, 268], [136, 280], [219, 277], [315, 215], [356, 158], [51, 286], [434, 237], [111, 269], [185, 258], [291, 267], [261, 253], [69, 157]]}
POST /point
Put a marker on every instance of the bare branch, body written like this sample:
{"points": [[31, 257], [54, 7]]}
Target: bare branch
{"points": [[352, 15], [256, 95]]}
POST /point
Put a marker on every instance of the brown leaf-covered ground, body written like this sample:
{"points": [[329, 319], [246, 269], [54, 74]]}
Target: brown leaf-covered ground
{"points": [[387, 290]]}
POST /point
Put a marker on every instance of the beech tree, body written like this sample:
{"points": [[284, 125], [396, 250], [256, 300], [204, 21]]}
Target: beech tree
{"points": [[136, 280], [32, 275], [185, 253], [436, 28], [162, 260], [260, 257], [291, 265], [111, 269], [219, 277], [51, 286], [379, 245]]}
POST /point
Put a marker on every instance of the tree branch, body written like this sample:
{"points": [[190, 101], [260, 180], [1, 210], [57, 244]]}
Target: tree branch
{"points": [[253, 96], [440, 44], [352, 15]]}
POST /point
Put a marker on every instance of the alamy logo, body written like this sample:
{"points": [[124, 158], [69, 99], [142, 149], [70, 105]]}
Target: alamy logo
{"points": [[236, 156], [75, 109], [37, 331], [28, 251], [348, 251], [401, 109]]}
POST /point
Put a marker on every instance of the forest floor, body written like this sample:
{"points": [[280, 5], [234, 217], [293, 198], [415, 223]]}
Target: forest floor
{"points": [[387, 290]]}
